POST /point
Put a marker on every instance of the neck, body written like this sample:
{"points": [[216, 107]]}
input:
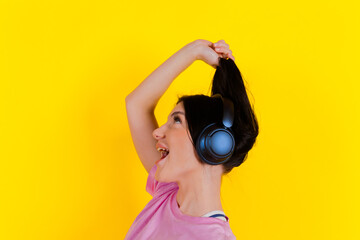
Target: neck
{"points": [[199, 193]]}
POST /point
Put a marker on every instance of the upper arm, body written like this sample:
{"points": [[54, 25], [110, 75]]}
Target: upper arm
{"points": [[142, 123]]}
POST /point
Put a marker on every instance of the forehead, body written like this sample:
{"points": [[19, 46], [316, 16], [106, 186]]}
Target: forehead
{"points": [[178, 107]]}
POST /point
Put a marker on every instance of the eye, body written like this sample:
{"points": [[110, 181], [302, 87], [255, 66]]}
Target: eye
{"points": [[176, 118]]}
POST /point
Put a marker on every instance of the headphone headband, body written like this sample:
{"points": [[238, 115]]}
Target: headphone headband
{"points": [[228, 111]]}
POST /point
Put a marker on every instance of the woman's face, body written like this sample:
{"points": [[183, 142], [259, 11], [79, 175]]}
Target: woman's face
{"points": [[182, 158]]}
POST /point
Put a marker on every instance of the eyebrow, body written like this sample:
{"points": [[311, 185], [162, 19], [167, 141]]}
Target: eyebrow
{"points": [[177, 113]]}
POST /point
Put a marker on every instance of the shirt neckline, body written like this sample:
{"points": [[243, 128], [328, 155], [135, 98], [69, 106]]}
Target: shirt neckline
{"points": [[212, 213]]}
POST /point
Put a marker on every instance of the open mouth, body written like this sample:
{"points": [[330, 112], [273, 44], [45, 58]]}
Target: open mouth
{"points": [[164, 154]]}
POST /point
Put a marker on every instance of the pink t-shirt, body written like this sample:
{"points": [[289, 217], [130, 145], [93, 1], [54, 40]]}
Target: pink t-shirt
{"points": [[161, 219]]}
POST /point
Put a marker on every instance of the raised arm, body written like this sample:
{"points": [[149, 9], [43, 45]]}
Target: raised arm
{"points": [[141, 103]]}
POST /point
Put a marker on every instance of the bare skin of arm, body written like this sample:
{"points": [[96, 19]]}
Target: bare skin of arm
{"points": [[141, 102]]}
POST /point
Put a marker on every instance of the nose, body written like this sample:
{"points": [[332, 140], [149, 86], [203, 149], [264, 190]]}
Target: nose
{"points": [[158, 133]]}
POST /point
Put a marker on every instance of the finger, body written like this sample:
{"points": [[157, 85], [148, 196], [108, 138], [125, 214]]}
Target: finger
{"points": [[229, 55], [232, 57], [222, 55], [223, 51], [219, 44], [223, 43]]}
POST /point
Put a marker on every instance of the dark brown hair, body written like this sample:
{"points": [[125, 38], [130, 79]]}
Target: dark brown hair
{"points": [[201, 110]]}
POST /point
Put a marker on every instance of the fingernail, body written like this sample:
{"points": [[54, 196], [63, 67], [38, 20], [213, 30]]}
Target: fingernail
{"points": [[215, 44]]}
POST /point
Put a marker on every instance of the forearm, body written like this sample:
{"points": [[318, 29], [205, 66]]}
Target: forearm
{"points": [[148, 93]]}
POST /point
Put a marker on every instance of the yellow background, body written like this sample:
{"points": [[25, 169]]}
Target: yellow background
{"points": [[68, 167]]}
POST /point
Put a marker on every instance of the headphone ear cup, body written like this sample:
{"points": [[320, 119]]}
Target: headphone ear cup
{"points": [[215, 144]]}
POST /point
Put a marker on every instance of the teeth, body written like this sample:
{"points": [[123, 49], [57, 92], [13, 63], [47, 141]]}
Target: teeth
{"points": [[163, 152], [162, 149]]}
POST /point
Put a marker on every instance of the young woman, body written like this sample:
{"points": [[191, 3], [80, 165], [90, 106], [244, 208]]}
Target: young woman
{"points": [[203, 139]]}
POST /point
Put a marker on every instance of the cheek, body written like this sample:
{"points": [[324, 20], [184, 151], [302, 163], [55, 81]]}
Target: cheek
{"points": [[181, 143], [183, 150]]}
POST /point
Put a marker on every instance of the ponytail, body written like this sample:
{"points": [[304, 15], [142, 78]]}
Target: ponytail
{"points": [[229, 83], [201, 110]]}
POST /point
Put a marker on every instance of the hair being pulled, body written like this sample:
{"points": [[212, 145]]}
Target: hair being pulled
{"points": [[201, 110]]}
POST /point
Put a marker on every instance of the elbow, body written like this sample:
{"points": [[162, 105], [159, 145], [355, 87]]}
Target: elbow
{"points": [[128, 103], [131, 101], [128, 98]]}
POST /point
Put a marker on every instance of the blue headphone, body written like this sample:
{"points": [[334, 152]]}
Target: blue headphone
{"points": [[216, 143]]}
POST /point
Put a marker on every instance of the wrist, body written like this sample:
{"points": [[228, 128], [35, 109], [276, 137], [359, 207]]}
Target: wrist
{"points": [[194, 50], [199, 49], [202, 50]]}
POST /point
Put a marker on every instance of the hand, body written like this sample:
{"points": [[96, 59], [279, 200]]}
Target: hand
{"points": [[210, 52]]}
